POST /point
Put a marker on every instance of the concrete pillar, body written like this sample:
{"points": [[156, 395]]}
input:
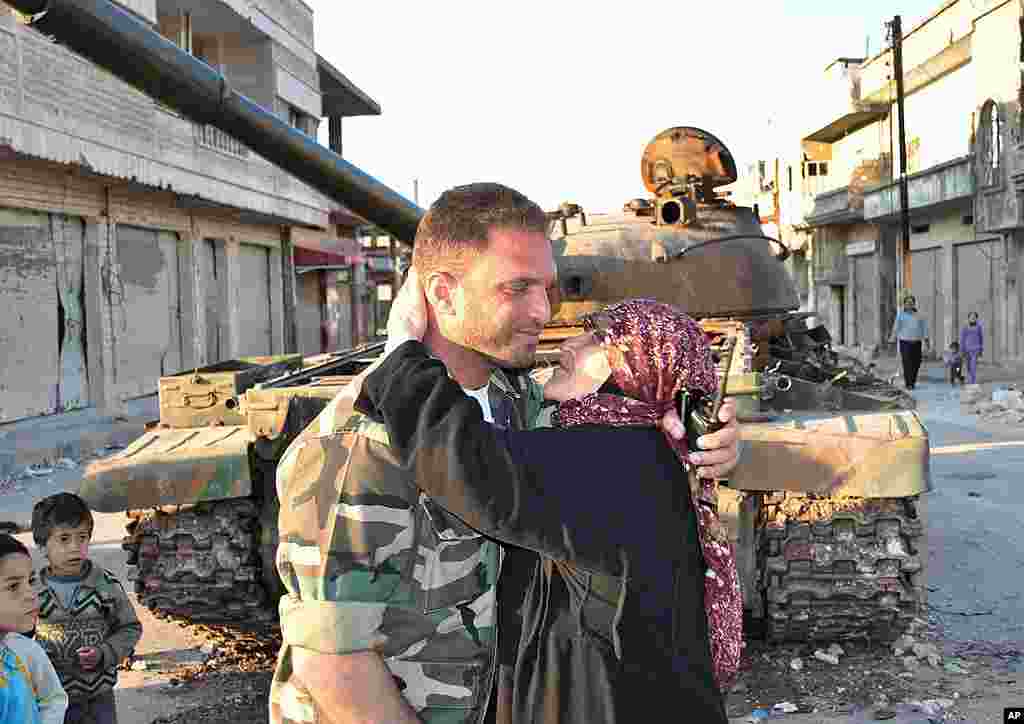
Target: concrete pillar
{"points": [[1001, 343], [1013, 296], [360, 308], [233, 273], [95, 326], [200, 270], [853, 324], [187, 307], [277, 302], [105, 305], [949, 330], [286, 293]]}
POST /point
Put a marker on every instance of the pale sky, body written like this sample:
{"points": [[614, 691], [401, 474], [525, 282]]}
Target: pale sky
{"points": [[558, 99]]}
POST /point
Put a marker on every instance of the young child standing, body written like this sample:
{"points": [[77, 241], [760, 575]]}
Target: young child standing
{"points": [[954, 363], [86, 622], [30, 690]]}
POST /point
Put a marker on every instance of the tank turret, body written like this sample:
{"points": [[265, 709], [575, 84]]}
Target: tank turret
{"points": [[685, 243]]}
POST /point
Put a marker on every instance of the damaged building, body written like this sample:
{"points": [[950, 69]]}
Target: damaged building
{"points": [[962, 87], [135, 243]]}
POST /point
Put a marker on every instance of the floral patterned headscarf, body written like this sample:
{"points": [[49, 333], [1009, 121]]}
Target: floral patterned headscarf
{"points": [[655, 351]]}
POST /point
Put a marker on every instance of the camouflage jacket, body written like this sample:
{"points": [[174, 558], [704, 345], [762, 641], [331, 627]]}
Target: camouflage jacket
{"points": [[370, 563]]}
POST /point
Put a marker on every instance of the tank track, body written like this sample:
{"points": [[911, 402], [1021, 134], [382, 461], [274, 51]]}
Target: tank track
{"points": [[837, 569], [200, 562]]}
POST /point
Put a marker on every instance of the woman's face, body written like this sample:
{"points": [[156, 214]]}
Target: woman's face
{"points": [[582, 368]]}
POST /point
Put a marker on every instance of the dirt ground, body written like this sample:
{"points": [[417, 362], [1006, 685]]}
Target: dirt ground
{"points": [[870, 683], [232, 685]]}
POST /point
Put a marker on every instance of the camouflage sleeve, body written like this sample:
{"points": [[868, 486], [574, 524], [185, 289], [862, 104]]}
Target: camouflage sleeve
{"points": [[317, 613], [345, 528], [125, 629], [469, 467]]}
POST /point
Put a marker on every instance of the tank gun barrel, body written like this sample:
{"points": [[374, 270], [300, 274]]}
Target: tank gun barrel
{"points": [[131, 50]]}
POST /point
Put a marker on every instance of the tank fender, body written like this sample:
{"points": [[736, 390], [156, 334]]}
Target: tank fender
{"points": [[880, 455], [172, 467]]}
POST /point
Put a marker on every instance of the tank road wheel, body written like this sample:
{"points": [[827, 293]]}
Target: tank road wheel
{"points": [[200, 562], [841, 568]]}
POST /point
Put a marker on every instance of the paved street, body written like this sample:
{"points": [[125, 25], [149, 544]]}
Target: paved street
{"points": [[976, 540]]}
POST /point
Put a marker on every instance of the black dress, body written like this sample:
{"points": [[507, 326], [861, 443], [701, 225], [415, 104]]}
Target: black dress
{"points": [[601, 505]]}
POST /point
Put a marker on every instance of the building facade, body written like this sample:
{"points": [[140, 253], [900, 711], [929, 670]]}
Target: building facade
{"points": [[135, 243], [958, 63]]}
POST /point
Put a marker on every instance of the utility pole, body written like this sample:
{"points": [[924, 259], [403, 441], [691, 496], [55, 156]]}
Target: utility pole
{"points": [[1020, 88], [904, 277], [416, 191]]}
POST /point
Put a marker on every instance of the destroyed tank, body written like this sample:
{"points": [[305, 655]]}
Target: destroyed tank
{"points": [[825, 508]]}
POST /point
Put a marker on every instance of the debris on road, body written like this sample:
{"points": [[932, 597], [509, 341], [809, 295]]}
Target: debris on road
{"points": [[39, 471], [826, 657]]}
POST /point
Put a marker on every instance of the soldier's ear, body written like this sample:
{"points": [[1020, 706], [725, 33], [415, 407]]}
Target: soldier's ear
{"points": [[441, 288]]}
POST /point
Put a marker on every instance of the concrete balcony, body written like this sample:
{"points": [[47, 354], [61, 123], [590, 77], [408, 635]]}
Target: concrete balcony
{"points": [[838, 206], [839, 108], [945, 184], [216, 140]]}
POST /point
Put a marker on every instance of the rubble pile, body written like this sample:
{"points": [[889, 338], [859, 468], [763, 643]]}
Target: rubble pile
{"points": [[1006, 406], [911, 676], [43, 471], [237, 670]]}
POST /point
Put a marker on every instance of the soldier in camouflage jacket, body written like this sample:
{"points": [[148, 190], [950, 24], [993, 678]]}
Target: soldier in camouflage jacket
{"points": [[370, 563]]}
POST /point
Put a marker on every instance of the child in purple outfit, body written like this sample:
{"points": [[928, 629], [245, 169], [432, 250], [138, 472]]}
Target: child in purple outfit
{"points": [[954, 363], [972, 344]]}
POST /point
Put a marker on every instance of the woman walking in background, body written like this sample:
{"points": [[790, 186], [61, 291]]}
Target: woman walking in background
{"points": [[911, 332], [972, 344]]}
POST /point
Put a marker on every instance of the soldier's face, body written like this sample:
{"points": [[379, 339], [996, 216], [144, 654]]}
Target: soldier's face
{"points": [[503, 301]]}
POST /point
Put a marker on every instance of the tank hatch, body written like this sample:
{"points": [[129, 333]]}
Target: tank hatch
{"points": [[680, 157]]}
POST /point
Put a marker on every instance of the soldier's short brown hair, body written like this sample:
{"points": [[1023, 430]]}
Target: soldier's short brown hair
{"points": [[457, 225]]}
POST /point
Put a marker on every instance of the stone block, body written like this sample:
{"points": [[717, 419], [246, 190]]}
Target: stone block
{"points": [[970, 394], [1010, 399]]}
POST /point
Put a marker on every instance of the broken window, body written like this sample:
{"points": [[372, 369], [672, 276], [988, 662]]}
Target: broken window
{"points": [[990, 150]]}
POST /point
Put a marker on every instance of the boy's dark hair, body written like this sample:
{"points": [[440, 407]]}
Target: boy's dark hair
{"points": [[65, 509], [9, 545]]}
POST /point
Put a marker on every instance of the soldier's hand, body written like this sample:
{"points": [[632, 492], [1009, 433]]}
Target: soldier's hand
{"points": [[719, 451], [408, 316]]}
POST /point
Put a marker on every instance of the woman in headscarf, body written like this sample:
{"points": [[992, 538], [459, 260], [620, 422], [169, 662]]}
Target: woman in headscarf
{"points": [[635, 605]]}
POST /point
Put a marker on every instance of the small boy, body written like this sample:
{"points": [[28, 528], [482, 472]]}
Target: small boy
{"points": [[955, 363], [30, 689], [86, 622]]}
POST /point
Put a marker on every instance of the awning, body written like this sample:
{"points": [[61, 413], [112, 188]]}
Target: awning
{"points": [[350, 253], [341, 97], [848, 123]]}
